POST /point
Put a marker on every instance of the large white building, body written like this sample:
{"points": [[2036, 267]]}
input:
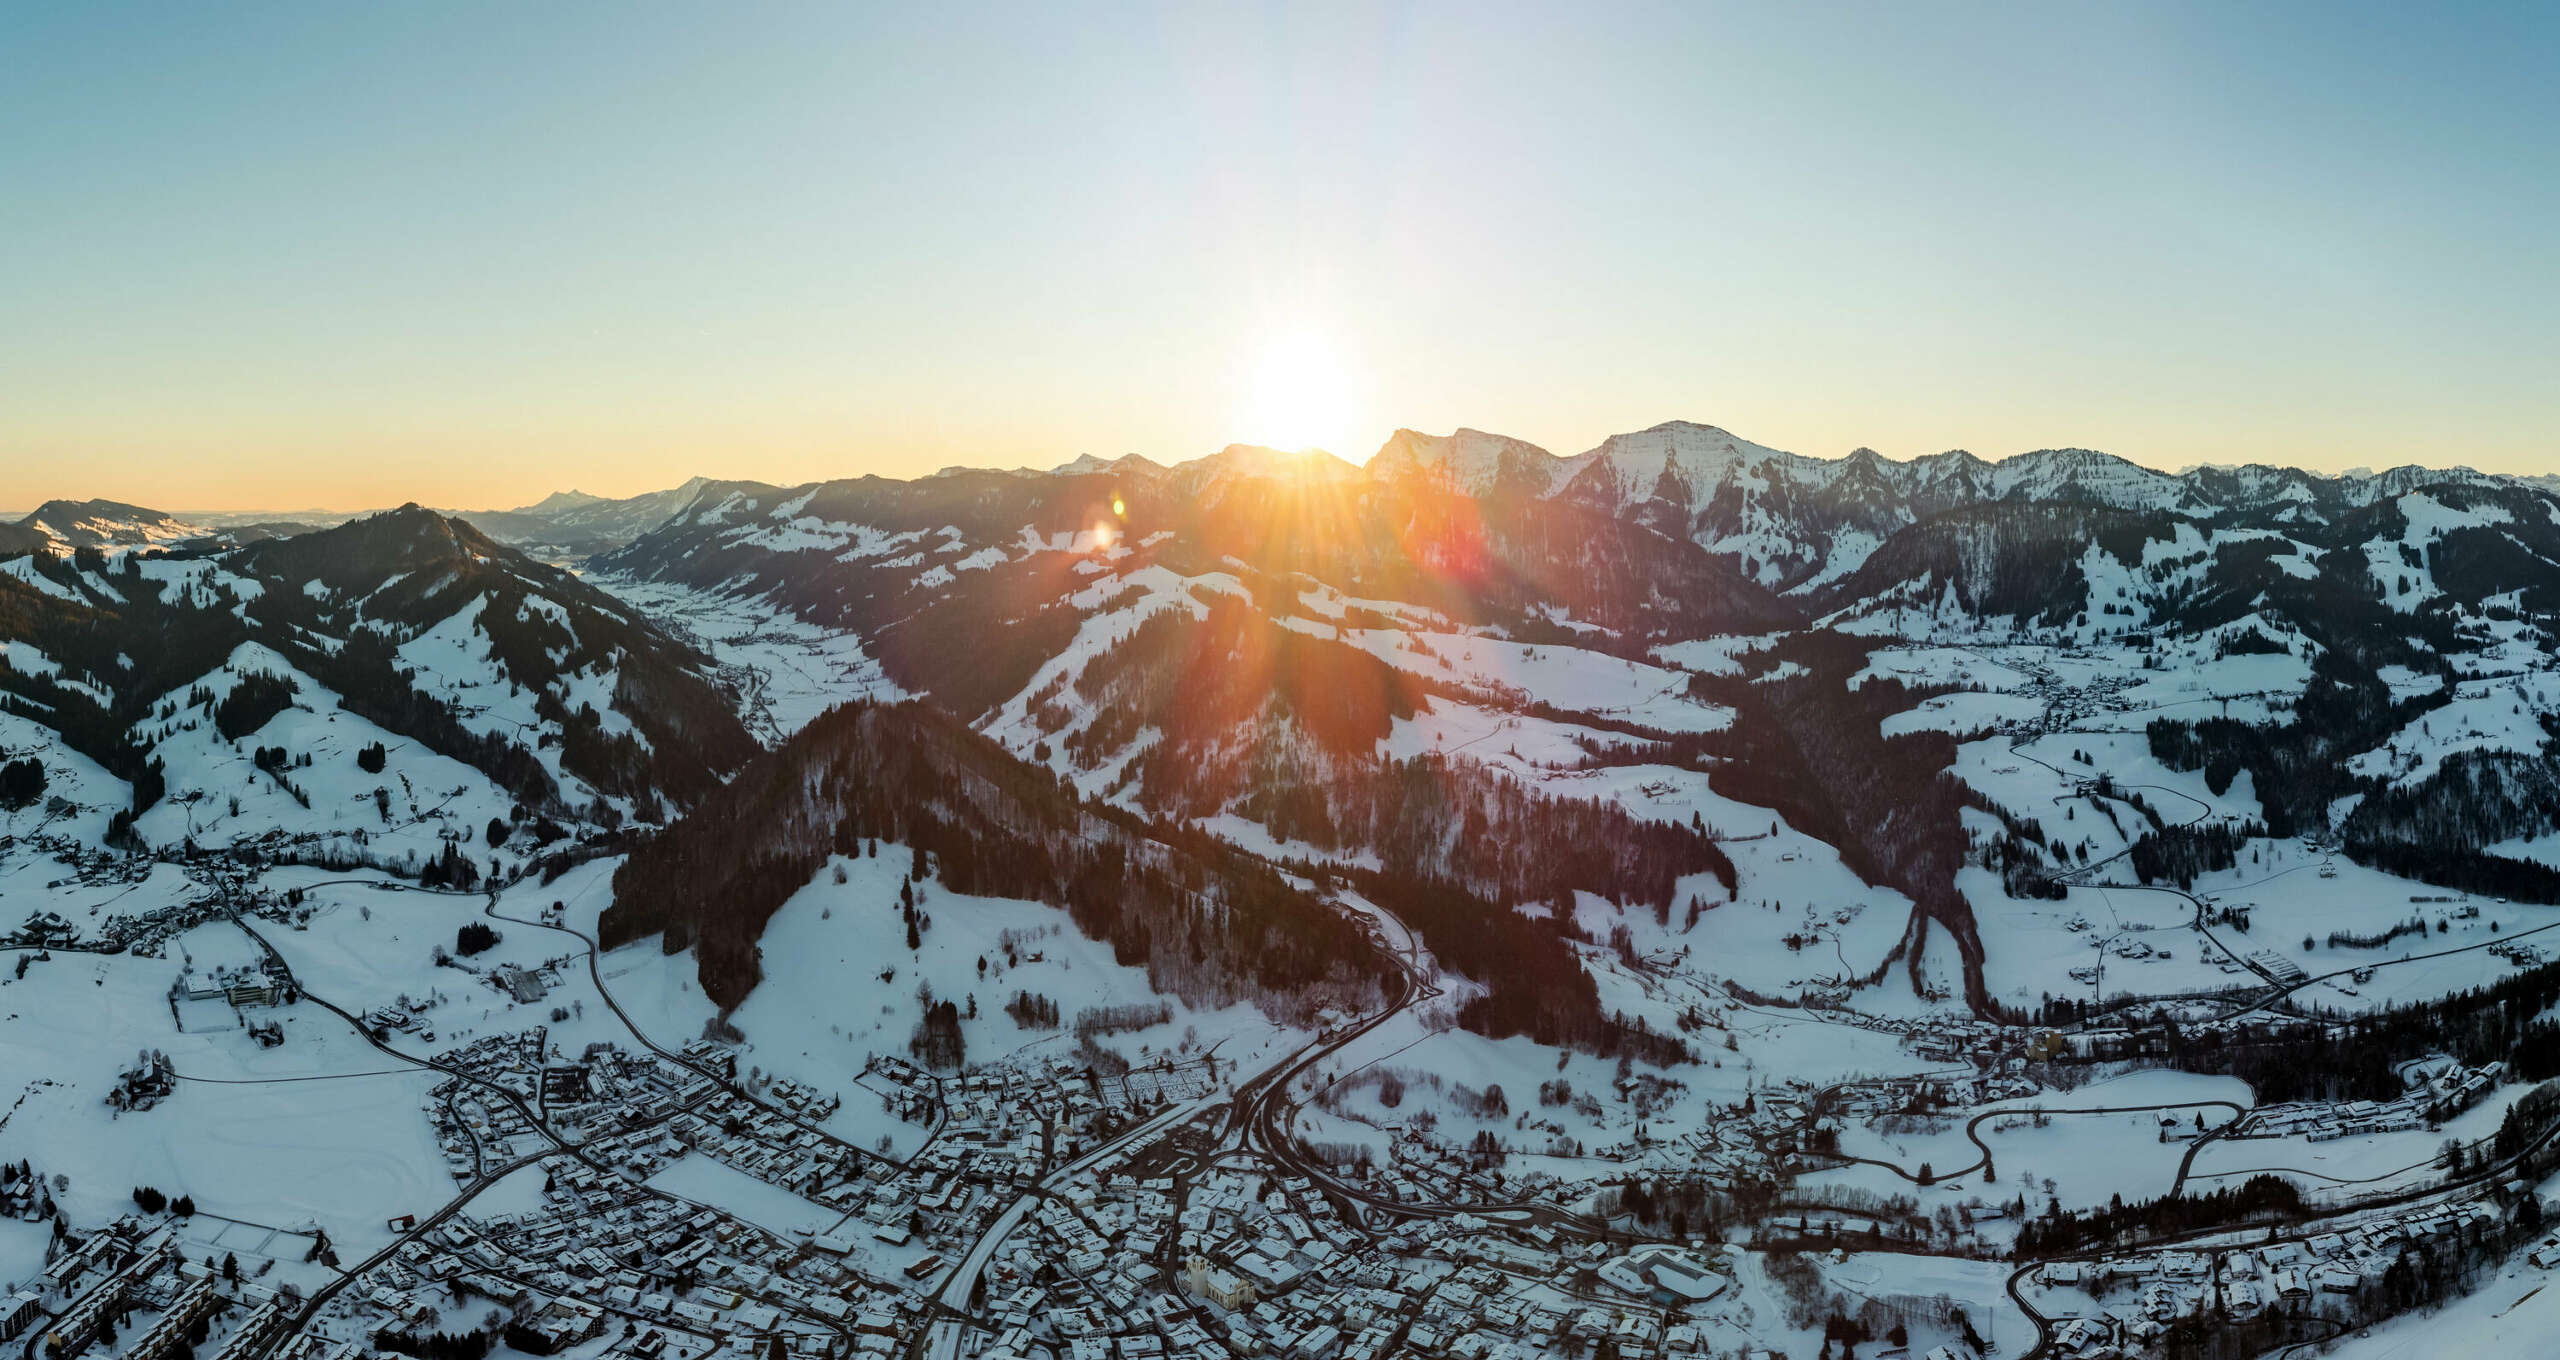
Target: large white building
{"points": [[1675, 1274]]}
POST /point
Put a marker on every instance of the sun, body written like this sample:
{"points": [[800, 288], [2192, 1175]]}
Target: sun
{"points": [[1298, 393]]}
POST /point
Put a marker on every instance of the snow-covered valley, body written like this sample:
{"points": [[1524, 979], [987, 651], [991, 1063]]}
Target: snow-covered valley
{"points": [[1682, 898]]}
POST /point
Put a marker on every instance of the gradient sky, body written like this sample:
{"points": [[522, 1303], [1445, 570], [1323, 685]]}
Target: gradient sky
{"points": [[344, 255]]}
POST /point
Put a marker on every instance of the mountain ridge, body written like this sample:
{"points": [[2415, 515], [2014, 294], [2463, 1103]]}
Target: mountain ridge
{"points": [[1671, 475]]}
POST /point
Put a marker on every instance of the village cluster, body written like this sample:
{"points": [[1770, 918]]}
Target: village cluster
{"points": [[1170, 1243], [2438, 1088], [621, 1199], [2240, 1283], [1205, 1258], [130, 1286]]}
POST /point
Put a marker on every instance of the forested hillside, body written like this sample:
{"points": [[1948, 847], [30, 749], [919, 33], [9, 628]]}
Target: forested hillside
{"points": [[1208, 925]]}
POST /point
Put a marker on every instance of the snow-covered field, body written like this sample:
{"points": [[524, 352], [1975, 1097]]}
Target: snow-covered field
{"points": [[2483, 715], [2076, 1148], [2370, 1162], [1573, 679], [707, 1180], [321, 1130]]}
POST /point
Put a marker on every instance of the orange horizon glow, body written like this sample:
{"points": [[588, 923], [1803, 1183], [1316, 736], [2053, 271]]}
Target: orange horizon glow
{"points": [[490, 473]]}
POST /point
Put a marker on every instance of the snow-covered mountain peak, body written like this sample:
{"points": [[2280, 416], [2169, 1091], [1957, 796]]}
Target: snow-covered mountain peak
{"points": [[1471, 461], [1685, 442], [1678, 460], [558, 501], [2086, 474], [1094, 465], [1203, 478], [70, 525]]}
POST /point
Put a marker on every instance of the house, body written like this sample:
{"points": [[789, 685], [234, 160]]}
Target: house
{"points": [[2184, 1265], [557, 1326], [2418, 1072], [18, 1312], [1266, 1274], [1319, 1343], [2082, 1336], [254, 1334], [2137, 1326], [524, 986]]}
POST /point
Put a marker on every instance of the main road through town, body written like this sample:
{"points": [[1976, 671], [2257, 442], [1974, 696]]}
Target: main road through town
{"points": [[1258, 1114]]}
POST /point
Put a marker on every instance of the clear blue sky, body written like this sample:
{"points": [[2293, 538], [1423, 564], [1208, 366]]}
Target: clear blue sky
{"points": [[348, 254]]}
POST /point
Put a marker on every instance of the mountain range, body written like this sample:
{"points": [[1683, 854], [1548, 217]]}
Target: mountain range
{"points": [[1499, 681]]}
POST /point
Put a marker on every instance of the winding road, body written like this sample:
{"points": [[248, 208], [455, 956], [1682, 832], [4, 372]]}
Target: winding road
{"points": [[1973, 1127]]}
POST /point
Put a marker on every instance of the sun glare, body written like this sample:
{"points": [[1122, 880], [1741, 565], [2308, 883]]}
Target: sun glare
{"points": [[1298, 395]]}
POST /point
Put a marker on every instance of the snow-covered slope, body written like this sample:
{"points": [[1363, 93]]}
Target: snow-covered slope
{"points": [[1685, 819], [69, 525], [1268, 643], [368, 693]]}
